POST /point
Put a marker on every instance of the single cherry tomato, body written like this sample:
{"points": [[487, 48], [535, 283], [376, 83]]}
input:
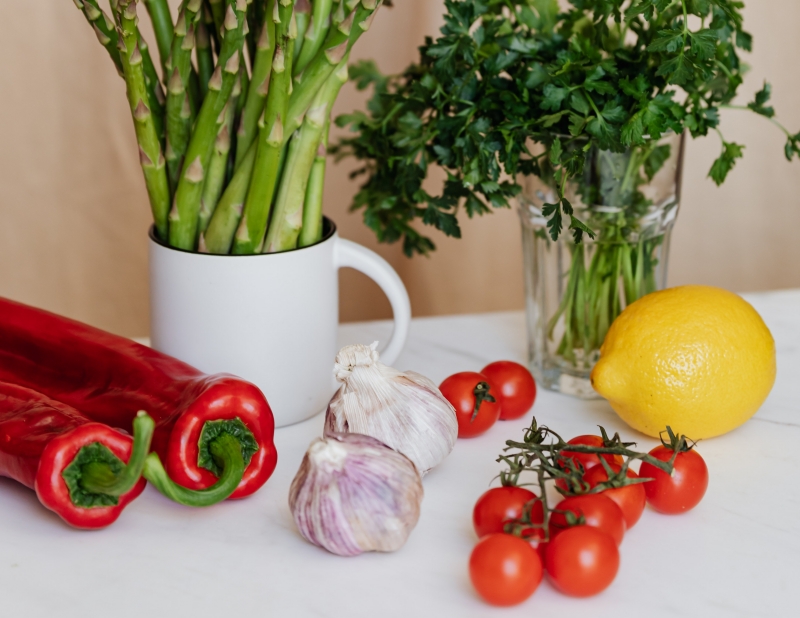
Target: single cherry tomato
{"points": [[588, 460], [516, 387], [680, 491], [501, 504], [504, 569], [582, 561], [598, 511], [630, 499], [472, 395]]}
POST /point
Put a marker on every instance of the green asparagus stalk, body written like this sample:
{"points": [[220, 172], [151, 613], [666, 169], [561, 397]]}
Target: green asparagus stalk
{"points": [[315, 34], [218, 238], [257, 94], [179, 108], [287, 219], [162, 26], [312, 208], [255, 19], [205, 58], [311, 231], [184, 216], [253, 226], [302, 13], [339, 41], [339, 13], [155, 93], [218, 13], [150, 155], [103, 28], [218, 166]]}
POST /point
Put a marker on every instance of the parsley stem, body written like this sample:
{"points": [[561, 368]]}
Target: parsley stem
{"points": [[747, 109]]}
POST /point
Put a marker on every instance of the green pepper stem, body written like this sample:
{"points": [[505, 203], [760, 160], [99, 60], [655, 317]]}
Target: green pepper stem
{"points": [[98, 478], [227, 450]]}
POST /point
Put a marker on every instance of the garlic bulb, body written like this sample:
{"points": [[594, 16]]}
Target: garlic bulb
{"points": [[405, 411], [354, 494]]}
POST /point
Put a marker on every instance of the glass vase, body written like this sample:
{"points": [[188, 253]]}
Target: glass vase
{"points": [[575, 291]]}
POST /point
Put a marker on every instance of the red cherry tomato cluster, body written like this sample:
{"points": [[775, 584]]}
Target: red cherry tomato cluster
{"points": [[502, 390], [576, 542]]}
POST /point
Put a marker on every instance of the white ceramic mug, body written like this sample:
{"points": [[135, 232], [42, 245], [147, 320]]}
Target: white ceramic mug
{"points": [[271, 319]]}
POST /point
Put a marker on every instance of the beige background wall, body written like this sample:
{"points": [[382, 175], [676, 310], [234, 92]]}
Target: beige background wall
{"points": [[74, 212]]}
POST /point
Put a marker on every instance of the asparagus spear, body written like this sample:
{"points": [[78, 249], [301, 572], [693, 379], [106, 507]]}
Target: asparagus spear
{"points": [[218, 238], [339, 41], [288, 217], [255, 19], [103, 28], [162, 26], [315, 34], [218, 166], [179, 108], [150, 154], [218, 13], [186, 207], [253, 226], [155, 94], [302, 13], [311, 231], [205, 57], [257, 94]]}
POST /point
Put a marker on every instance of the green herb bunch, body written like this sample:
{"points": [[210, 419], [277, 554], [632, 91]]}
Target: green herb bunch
{"points": [[612, 75]]}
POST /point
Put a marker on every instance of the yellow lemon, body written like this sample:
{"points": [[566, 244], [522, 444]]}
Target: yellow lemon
{"points": [[696, 358]]}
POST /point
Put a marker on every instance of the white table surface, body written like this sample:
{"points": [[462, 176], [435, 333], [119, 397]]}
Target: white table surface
{"points": [[736, 554]]}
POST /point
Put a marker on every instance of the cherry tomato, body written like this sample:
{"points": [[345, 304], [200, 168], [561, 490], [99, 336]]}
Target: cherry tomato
{"points": [[589, 460], [630, 499], [504, 569], [472, 395], [517, 388], [680, 491], [598, 510], [582, 561], [501, 504]]}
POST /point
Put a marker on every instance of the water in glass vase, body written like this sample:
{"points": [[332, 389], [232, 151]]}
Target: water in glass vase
{"points": [[575, 291]]}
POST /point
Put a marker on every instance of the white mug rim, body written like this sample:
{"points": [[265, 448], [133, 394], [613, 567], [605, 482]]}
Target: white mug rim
{"points": [[327, 225]]}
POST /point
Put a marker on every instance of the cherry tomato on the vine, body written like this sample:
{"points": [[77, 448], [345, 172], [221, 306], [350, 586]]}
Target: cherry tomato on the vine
{"points": [[582, 561], [501, 504], [680, 491], [598, 511], [630, 498], [472, 395], [504, 569], [588, 460], [516, 387]]}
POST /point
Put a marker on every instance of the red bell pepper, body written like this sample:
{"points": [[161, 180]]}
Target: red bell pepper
{"points": [[204, 424], [77, 467]]}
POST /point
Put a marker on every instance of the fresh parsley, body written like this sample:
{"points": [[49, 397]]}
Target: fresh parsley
{"points": [[606, 74]]}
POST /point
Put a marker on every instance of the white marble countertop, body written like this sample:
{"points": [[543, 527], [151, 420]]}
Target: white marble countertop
{"points": [[736, 554]]}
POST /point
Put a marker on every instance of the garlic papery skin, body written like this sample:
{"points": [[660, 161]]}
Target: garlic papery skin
{"points": [[353, 494], [403, 410]]}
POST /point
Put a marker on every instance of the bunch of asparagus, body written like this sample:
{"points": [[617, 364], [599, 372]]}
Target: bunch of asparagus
{"points": [[233, 133]]}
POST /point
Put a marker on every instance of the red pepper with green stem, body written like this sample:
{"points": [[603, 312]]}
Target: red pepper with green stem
{"points": [[213, 433], [85, 471]]}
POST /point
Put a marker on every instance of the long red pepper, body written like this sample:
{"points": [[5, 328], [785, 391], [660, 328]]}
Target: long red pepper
{"points": [[77, 467], [202, 421]]}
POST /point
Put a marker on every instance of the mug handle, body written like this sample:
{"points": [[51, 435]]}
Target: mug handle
{"points": [[353, 255]]}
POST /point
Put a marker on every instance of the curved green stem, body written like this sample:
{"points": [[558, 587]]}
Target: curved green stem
{"points": [[99, 478], [162, 27], [227, 450]]}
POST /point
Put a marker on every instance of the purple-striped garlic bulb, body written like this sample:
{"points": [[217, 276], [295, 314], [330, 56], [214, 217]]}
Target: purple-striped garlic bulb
{"points": [[354, 494], [404, 410]]}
